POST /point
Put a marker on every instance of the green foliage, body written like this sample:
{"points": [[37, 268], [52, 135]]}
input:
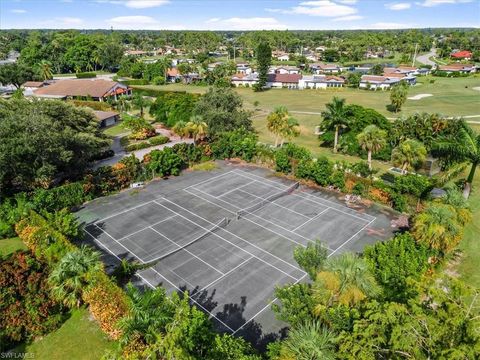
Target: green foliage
{"points": [[337, 179], [311, 258], [64, 141], [64, 222], [358, 189], [395, 263], [398, 95], [16, 74], [222, 110], [189, 153], [416, 185], [288, 157], [170, 108], [296, 303], [264, 59], [163, 162], [409, 155], [158, 140], [86, 75], [238, 143], [27, 308], [227, 347]]}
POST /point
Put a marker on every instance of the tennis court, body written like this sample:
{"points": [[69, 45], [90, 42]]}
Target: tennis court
{"points": [[228, 237]]}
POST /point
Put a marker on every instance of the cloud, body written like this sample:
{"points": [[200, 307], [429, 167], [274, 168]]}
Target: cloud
{"points": [[348, 2], [253, 23], [18, 11], [136, 4], [325, 8], [141, 22], [348, 18], [389, 25], [69, 20], [432, 3], [398, 6]]}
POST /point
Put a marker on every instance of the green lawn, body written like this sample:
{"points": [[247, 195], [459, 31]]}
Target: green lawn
{"points": [[79, 338], [116, 129], [451, 96], [8, 246]]}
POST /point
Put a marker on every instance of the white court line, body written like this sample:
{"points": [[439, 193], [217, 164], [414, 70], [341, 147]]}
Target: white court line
{"points": [[195, 256], [210, 179], [227, 273], [310, 196], [146, 227], [253, 222], [271, 222], [238, 247], [123, 211], [311, 219], [349, 239], [154, 287], [128, 250]]}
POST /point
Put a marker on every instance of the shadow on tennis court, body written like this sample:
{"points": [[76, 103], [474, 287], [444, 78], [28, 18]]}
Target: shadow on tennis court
{"points": [[227, 237]]}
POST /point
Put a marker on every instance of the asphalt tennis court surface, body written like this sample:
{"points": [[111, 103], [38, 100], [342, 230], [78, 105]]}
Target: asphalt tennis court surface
{"points": [[188, 228]]}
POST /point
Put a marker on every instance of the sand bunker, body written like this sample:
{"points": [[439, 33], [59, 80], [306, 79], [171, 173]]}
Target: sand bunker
{"points": [[419, 96], [476, 88]]}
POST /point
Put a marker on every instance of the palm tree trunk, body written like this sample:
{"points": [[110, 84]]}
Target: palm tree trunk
{"points": [[336, 140], [276, 140], [369, 159], [468, 184]]}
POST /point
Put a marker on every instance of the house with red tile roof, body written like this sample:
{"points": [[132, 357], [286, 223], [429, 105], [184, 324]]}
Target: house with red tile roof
{"points": [[458, 68], [467, 55], [289, 81]]}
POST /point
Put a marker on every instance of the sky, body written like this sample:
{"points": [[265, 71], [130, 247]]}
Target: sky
{"points": [[238, 14]]}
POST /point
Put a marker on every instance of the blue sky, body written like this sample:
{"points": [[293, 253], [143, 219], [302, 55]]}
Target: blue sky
{"points": [[238, 15]]}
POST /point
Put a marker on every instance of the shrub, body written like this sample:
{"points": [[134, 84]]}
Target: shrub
{"points": [[322, 170], [413, 184], [163, 162], [337, 179], [395, 262], [282, 162], [27, 309], [358, 189], [289, 156], [138, 146], [189, 153], [238, 143], [361, 168], [135, 82], [95, 105], [158, 140], [86, 75], [65, 196]]}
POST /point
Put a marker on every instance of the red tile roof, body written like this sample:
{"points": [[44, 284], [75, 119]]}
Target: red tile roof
{"points": [[462, 54], [173, 72], [284, 78]]}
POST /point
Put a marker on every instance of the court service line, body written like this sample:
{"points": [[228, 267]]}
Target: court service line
{"points": [[163, 277], [195, 256], [241, 173], [311, 219], [238, 247], [123, 211], [210, 179], [146, 227], [271, 222], [227, 273], [351, 237], [253, 222]]}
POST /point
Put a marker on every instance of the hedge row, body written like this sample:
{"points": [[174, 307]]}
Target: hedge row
{"points": [[154, 92], [107, 302], [86, 75], [157, 140], [135, 82]]}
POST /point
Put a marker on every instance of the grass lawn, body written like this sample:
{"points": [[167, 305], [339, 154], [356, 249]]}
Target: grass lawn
{"points": [[451, 96], [8, 246], [116, 129], [79, 338]]}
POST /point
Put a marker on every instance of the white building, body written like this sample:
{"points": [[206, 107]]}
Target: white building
{"points": [[320, 82]]}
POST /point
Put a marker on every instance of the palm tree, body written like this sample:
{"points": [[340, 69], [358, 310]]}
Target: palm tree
{"points": [[276, 122], [464, 148], [46, 70], [180, 128], [345, 279], [440, 226], [72, 274], [309, 341], [122, 103], [165, 63], [334, 118], [372, 139], [291, 129], [409, 154], [140, 103], [197, 128]]}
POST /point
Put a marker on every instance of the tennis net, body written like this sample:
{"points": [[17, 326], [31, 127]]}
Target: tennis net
{"points": [[266, 201], [221, 224]]}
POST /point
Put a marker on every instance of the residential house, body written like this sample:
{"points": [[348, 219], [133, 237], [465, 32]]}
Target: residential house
{"points": [[247, 80], [289, 81], [311, 57], [404, 70], [284, 70], [375, 82], [97, 89], [244, 68], [135, 53], [173, 75], [462, 55], [30, 86], [320, 68], [281, 56], [106, 118], [409, 79], [212, 66], [458, 68], [320, 82]]}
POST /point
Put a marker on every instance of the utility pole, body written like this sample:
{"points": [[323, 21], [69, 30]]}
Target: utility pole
{"points": [[415, 55]]}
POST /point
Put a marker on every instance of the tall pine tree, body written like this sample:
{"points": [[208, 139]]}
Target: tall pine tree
{"points": [[264, 59]]}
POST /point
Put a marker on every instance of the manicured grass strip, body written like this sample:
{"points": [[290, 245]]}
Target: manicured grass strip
{"points": [[79, 338], [8, 246]]}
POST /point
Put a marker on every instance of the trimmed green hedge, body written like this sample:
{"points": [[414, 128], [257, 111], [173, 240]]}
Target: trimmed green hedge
{"points": [[135, 82], [86, 75], [154, 92]]}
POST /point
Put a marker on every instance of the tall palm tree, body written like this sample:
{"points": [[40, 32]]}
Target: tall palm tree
{"points": [[197, 128], [409, 154], [463, 148], [46, 70], [276, 121], [291, 129], [72, 274], [309, 341], [140, 103], [334, 118], [345, 279], [123, 103], [165, 63], [372, 139]]}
